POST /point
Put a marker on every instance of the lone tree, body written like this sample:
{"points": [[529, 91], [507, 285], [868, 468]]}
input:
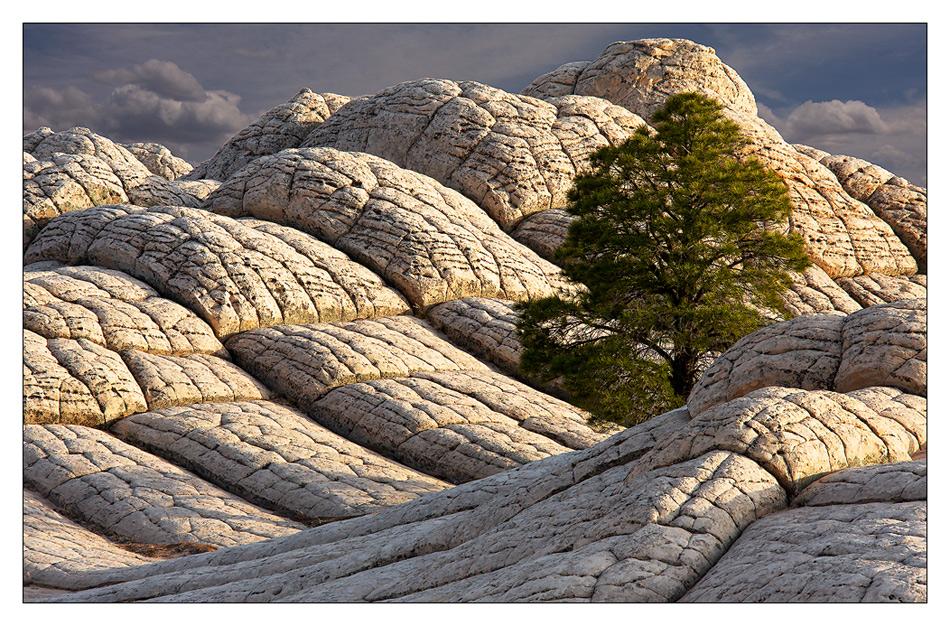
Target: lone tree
{"points": [[679, 245]]}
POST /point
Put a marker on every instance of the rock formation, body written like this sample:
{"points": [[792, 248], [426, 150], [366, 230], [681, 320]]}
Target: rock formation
{"points": [[844, 236], [290, 373], [512, 155], [284, 126]]}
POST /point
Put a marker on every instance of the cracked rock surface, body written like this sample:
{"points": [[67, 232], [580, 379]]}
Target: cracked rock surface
{"points": [[307, 388], [456, 425], [284, 126], [277, 458], [843, 235], [112, 309], [882, 345], [304, 362], [159, 160], [486, 326], [512, 155], [896, 201], [57, 550], [234, 276], [429, 241], [858, 536], [799, 435], [134, 496], [63, 183], [75, 381]]}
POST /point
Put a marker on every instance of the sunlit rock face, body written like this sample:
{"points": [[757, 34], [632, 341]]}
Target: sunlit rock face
{"points": [[284, 126], [290, 373], [510, 154], [429, 241], [846, 236]]}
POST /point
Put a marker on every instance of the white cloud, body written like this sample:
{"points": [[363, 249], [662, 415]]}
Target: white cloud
{"points": [[161, 77], [891, 137], [813, 119], [157, 101]]}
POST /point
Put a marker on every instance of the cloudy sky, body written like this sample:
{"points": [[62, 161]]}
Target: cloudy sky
{"points": [[856, 89]]}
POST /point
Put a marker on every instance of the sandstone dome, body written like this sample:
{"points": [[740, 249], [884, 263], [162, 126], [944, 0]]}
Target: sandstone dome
{"points": [[290, 373]]}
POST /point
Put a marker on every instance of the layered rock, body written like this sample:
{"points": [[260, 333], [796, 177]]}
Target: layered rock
{"points": [[870, 289], [487, 327], [235, 277], [75, 381], [459, 426], [902, 205], [843, 236], [77, 169], [63, 183], [57, 551], [159, 160], [429, 241], [801, 435], [544, 231], [134, 496], [304, 362], [112, 309], [275, 457], [860, 536], [284, 126], [510, 154], [45, 144], [883, 345], [786, 477]]}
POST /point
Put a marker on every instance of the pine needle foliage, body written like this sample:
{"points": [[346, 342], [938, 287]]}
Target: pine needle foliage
{"points": [[679, 244]]}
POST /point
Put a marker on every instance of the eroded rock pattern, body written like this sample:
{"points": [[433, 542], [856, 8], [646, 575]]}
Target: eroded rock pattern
{"points": [[891, 482], [177, 380], [804, 352], [112, 309], [544, 231], [883, 345], [237, 278], [159, 160], [873, 552], [63, 183], [787, 477], [902, 205], [485, 326], [871, 289], [601, 539], [57, 551], [512, 155], [45, 144], [456, 425], [844, 237], [284, 126], [800, 435], [75, 381], [304, 362], [646, 72], [134, 496], [431, 242], [813, 291], [276, 457]]}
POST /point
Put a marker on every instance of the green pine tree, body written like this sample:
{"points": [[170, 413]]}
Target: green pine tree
{"points": [[679, 245]]}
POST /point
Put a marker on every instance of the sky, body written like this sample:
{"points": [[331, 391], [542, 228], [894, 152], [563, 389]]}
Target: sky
{"points": [[847, 88]]}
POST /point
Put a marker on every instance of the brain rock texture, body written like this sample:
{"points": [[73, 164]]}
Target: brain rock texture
{"points": [[291, 372]]}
